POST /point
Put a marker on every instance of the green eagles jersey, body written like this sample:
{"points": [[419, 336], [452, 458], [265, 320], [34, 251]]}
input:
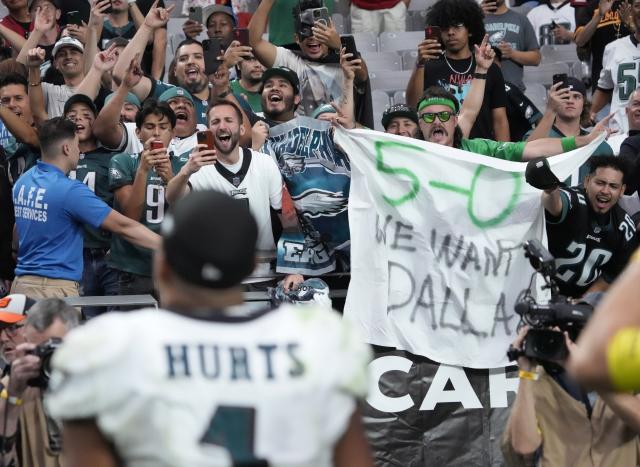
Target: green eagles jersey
{"points": [[124, 255], [253, 98], [93, 171], [499, 149]]}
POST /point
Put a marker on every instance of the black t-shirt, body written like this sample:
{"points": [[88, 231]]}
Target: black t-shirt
{"points": [[587, 245], [521, 112], [440, 73], [629, 153], [609, 29]]}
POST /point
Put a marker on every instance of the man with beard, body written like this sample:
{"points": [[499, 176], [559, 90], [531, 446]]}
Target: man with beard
{"points": [[220, 24], [114, 133], [438, 115], [138, 183], [318, 69], [250, 82], [93, 170], [241, 173]]}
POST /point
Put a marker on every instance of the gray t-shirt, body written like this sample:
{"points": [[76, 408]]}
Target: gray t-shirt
{"points": [[515, 29]]}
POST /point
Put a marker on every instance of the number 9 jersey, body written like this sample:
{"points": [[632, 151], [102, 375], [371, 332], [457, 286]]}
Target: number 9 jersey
{"points": [[277, 387], [587, 245]]}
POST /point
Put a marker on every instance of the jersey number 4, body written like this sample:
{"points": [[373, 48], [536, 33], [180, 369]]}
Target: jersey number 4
{"points": [[233, 428]]}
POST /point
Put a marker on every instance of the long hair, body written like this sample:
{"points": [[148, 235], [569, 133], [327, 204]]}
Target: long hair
{"points": [[438, 91]]}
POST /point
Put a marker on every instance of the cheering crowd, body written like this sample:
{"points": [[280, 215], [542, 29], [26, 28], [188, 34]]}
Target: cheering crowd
{"points": [[114, 166]]}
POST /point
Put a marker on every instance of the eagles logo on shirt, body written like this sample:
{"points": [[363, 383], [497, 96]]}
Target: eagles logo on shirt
{"points": [[115, 173]]}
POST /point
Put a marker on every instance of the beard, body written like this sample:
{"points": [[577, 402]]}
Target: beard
{"points": [[289, 106], [233, 142], [195, 87]]}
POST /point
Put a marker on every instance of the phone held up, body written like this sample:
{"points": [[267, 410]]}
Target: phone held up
{"points": [[205, 137], [212, 51]]}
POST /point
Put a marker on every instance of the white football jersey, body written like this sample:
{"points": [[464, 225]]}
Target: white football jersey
{"points": [[169, 390], [620, 73]]}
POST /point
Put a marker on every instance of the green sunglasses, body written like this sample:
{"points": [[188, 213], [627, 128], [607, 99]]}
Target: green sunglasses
{"points": [[429, 117]]}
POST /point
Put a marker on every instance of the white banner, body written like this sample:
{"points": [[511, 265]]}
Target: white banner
{"points": [[436, 245]]}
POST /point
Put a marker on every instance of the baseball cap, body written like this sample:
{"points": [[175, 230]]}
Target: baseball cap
{"points": [[117, 41], [398, 110], [175, 92], [56, 3], [217, 251], [211, 9], [323, 109], [283, 72], [576, 85], [67, 41], [79, 99], [14, 307], [131, 98]]}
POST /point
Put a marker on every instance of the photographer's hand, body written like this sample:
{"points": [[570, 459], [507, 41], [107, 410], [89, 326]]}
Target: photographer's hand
{"points": [[524, 363], [25, 367]]}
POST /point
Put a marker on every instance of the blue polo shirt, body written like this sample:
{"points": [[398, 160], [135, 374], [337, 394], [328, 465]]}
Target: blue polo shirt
{"points": [[50, 211]]}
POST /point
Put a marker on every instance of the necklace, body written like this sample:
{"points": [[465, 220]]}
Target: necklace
{"points": [[456, 71]]}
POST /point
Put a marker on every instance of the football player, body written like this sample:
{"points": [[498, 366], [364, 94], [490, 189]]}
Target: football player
{"points": [[206, 381], [590, 235]]}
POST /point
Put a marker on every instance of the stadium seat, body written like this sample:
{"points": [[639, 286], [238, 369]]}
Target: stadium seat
{"points": [[409, 58], [380, 101], [400, 97], [538, 95], [366, 41], [174, 26], [389, 80], [420, 5], [378, 61], [396, 41], [559, 53], [416, 20], [543, 73], [339, 23]]}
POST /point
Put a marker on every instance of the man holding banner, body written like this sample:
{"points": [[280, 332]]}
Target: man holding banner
{"points": [[437, 266]]}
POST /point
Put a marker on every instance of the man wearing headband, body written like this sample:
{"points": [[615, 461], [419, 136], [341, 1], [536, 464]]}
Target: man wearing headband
{"points": [[192, 373], [438, 115]]}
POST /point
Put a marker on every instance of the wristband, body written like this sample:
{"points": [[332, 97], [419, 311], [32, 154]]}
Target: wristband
{"points": [[480, 76], [131, 2], [568, 143], [4, 394], [530, 375]]}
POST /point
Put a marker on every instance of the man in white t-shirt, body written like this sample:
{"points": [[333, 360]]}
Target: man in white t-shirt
{"points": [[206, 381], [241, 173], [553, 22]]}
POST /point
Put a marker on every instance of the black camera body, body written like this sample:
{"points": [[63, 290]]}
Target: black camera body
{"points": [[44, 351], [543, 343]]}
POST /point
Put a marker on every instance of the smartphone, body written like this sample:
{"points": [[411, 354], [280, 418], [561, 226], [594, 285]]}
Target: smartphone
{"points": [[205, 137], [157, 145], [494, 8], [553, 24], [312, 15], [195, 14], [212, 51], [109, 9], [349, 43], [561, 78], [74, 17], [433, 32], [242, 36]]}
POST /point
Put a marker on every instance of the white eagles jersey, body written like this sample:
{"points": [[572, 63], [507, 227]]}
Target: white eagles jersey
{"points": [[169, 390], [620, 73]]}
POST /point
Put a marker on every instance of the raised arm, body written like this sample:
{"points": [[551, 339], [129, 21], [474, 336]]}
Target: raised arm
{"points": [[158, 54], [265, 51], [42, 23], [473, 101], [107, 127], [584, 34], [555, 100], [18, 127], [600, 98], [35, 58], [132, 231], [103, 62], [429, 49], [94, 31], [178, 185], [16, 40]]}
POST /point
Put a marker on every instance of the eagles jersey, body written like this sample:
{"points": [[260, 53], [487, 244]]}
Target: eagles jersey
{"points": [[93, 171], [586, 248], [620, 74], [124, 255], [170, 390]]}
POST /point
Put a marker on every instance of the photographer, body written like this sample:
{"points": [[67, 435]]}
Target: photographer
{"points": [[28, 437], [590, 235], [555, 422]]}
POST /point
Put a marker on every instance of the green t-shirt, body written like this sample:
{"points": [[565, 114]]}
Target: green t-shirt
{"points": [[93, 171], [253, 98], [499, 149], [281, 25], [122, 171]]}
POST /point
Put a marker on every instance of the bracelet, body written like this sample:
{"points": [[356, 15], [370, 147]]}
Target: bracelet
{"points": [[568, 143], [530, 375], [4, 394], [419, 64], [35, 84], [480, 76]]}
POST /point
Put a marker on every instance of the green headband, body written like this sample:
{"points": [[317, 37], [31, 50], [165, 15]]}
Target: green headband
{"points": [[436, 101]]}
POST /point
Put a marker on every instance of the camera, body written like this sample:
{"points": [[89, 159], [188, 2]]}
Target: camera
{"points": [[543, 343], [44, 351]]}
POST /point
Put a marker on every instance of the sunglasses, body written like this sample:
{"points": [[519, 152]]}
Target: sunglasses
{"points": [[429, 117]]}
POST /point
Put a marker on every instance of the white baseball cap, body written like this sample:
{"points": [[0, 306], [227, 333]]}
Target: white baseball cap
{"points": [[67, 41]]}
